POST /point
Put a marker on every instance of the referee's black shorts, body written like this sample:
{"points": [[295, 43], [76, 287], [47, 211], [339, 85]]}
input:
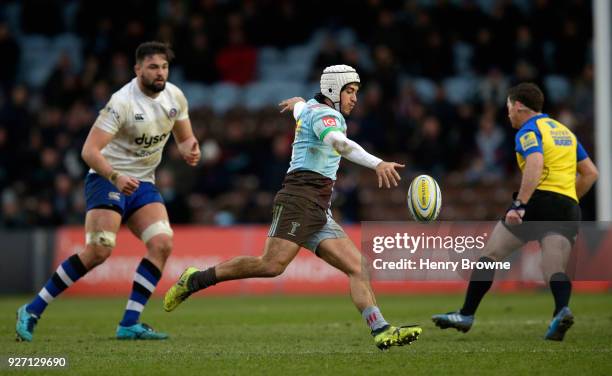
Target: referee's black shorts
{"points": [[548, 213]]}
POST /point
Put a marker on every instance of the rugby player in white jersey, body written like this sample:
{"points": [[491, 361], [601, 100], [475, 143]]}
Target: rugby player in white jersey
{"points": [[123, 149]]}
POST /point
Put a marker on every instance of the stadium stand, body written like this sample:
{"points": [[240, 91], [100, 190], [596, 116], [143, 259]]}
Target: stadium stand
{"points": [[428, 87]]}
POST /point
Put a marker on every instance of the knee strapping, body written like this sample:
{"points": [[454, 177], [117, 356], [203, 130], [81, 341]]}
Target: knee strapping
{"points": [[103, 238], [159, 227]]}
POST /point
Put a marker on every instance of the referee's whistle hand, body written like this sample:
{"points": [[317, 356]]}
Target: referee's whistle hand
{"points": [[514, 217]]}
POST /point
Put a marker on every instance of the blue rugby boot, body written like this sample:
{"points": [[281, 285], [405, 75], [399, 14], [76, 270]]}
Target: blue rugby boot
{"points": [[139, 331], [559, 325], [26, 322], [462, 323]]}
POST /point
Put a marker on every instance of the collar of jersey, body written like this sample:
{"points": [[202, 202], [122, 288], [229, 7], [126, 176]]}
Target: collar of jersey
{"points": [[534, 118]]}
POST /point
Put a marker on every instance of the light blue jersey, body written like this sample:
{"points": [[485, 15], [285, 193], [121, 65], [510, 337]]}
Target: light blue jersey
{"points": [[309, 151]]}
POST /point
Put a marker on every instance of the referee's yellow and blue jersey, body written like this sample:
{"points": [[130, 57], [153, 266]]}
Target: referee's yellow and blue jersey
{"points": [[561, 150]]}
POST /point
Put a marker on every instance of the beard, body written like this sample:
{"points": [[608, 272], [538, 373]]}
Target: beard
{"points": [[153, 86]]}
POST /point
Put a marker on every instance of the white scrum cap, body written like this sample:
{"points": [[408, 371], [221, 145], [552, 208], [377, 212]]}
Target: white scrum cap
{"points": [[333, 80]]}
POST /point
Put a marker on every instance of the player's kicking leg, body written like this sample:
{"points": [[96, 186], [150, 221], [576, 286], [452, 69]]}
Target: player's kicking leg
{"points": [[342, 254], [278, 253], [101, 226], [556, 251], [150, 224], [501, 244]]}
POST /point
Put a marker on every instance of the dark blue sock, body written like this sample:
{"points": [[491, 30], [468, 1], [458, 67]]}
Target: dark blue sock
{"points": [[146, 278], [66, 274]]}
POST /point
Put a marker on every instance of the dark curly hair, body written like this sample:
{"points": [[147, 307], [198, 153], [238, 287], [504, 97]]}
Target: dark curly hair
{"points": [[153, 48]]}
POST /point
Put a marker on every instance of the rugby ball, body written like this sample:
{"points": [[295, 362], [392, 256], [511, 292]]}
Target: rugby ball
{"points": [[424, 198]]}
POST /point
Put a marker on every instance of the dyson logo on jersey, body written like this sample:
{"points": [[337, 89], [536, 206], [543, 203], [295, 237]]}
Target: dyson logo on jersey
{"points": [[152, 140]]}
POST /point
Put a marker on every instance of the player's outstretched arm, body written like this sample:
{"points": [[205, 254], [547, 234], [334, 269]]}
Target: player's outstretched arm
{"points": [[386, 173], [187, 144], [295, 104], [91, 153], [587, 175], [349, 149]]}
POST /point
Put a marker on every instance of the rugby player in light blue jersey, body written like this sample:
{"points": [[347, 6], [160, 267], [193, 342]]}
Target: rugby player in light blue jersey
{"points": [[301, 215]]}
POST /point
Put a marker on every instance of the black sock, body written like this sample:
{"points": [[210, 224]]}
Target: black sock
{"points": [[480, 283], [561, 288], [203, 279]]}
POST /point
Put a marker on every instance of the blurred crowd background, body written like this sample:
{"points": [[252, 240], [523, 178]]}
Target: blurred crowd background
{"points": [[434, 75]]}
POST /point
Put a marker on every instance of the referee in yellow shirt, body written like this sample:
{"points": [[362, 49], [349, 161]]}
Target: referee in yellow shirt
{"points": [[557, 171]]}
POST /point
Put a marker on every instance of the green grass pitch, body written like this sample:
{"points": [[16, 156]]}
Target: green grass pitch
{"points": [[306, 335]]}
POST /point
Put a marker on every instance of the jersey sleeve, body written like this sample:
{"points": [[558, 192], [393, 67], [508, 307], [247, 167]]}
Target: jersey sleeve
{"points": [[297, 109], [184, 106], [324, 123], [581, 153], [528, 140], [112, 116]]}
